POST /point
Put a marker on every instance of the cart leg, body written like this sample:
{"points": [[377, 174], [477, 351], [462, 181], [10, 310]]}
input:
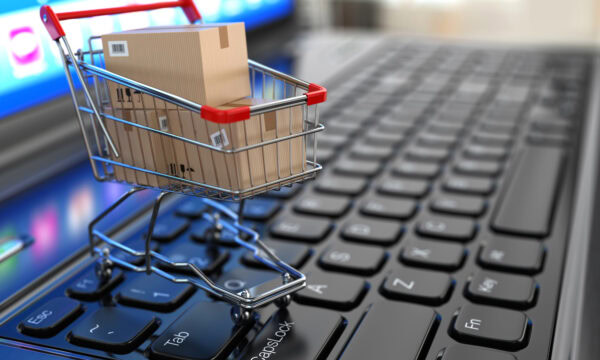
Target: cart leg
{"points": [[284, 301], [106, 212], [155, 210], [239, 315]]}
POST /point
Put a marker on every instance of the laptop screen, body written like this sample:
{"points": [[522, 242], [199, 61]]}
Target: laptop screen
{"points": [[32, 71]]}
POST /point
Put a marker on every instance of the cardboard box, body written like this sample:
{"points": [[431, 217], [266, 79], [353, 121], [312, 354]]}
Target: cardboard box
{"points": [[206, 64], [237, 171]]}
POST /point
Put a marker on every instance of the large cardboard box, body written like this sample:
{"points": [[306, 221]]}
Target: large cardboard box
{"points": [[206, 64], [231, 171]]}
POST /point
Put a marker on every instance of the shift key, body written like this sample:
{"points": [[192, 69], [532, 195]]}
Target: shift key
{"points": [[296, 333], [393, 331]]}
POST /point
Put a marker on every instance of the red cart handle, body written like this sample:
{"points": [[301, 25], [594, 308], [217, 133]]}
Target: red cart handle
{"points": [[52, 20]]}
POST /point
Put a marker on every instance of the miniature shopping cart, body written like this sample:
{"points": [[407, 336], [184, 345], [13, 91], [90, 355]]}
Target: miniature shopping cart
{"points": [[290, 99]]}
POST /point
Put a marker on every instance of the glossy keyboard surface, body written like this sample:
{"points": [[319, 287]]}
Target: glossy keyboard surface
{"points": [[436, 231]]}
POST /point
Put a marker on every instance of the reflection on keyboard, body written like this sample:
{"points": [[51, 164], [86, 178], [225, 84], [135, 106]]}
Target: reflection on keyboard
{"points": [[436, 231]]}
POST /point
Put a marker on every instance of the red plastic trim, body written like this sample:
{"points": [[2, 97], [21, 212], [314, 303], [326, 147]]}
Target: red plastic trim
{"points": [[225, 116], [316, 94], [52, 23]]}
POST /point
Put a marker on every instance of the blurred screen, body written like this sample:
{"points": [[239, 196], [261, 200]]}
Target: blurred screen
{"points": [[32, 71]]}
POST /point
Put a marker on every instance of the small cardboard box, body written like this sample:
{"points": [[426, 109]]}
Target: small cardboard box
{"points": [[260, 165]]}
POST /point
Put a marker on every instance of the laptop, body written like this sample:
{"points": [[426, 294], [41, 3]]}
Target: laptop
{"points": [[453, 218]]}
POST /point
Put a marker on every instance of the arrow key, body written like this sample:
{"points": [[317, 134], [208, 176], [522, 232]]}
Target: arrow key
{"points": [[339, 292], [421, 286], [155, 293]]}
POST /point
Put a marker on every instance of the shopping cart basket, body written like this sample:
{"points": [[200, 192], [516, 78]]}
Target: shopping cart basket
{"points": [[290, 99]]}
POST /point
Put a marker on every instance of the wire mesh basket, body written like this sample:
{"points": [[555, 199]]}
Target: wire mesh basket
{"points": [[152, 139]]}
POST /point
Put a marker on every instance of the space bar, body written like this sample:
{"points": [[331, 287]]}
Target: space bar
{"points": [[528, 199]]}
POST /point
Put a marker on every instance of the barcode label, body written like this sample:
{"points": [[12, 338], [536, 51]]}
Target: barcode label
{"points": [[118, 48], [219, 139], [163, 123]]}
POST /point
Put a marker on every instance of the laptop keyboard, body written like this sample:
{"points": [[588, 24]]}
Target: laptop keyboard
{"points": [[437, 230]]}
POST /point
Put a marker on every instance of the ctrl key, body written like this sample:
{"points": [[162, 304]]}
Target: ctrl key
{"points": [[205, 331], [50, 318]]}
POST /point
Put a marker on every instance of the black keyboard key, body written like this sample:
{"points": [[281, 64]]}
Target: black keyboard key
{"points": [[51, 317], [259, 209], [495, 288], [169, 228], [469, 185], [491, 327], [138, 244], [114, 329], [301, 228], [241, 278], [494, 139], [481, 152], [492, 126], [420, 286], [418, 153], [466, 352], [334, 291], [285, 192], [355, 259], [327, 140], [378, 137], [293, 254], [323, 205], [386, 207], [205, 331], [296, 333], [393, 330], [436, 140], [404, 187], [527, 203], [478, 168], [324, 155], [556, 140], [515, 255], [202, 232], [371, 152], [444, 128], [433, 254], [90, 287], [444, 227], [458, 205], [372, 231], [192, 208], [341, 185], [206, 258], [155, 293], [417, 169], [355, 167]]}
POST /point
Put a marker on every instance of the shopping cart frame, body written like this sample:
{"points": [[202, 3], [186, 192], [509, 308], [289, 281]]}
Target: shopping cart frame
{"points": [[244, 301]]}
